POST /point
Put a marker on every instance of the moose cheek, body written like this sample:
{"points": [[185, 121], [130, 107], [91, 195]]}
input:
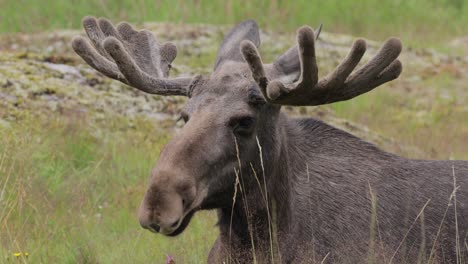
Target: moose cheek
{"points": [[188, 194], [220, 189]]}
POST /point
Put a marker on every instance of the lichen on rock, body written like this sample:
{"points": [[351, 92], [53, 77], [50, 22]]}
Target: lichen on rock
{"points": [[41, 75]]}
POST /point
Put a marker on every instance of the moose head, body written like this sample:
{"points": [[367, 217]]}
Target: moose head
{"points": [[229, 114]]}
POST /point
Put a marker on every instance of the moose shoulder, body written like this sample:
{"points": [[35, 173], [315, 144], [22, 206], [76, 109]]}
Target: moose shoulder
{"points": [[286, 190]]}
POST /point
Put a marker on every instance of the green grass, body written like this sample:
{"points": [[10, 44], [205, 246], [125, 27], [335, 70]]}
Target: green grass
{"points": [[417, 20], [70, 196], [438, 129]]}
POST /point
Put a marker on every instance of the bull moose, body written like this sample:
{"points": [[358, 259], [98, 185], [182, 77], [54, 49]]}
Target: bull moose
{"points": [[286, 190]]}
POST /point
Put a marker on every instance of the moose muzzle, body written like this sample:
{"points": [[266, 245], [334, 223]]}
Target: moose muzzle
{"points": [[161, 211]]}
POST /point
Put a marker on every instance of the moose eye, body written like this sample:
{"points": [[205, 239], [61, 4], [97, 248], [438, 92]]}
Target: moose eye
{"points": [[243, 126]]}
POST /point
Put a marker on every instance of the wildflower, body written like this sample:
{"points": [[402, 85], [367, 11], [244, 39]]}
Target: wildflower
{"points": [[18, 254], [169, 260]]}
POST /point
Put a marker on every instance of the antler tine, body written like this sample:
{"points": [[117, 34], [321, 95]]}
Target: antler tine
{"points": [[344, 69], [132, 57], [309, 70], [384, 66], [138, 78], [251, 55], [96, 60], [107, 28], [339, 85], [94, 33]]}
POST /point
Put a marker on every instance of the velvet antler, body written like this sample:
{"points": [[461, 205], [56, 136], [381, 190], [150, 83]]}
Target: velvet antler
{"points": [[132, 57], [339, 85]]}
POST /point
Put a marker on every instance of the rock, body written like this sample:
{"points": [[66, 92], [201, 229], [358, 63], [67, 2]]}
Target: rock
{"points": [[64, 69], [4, 124]]}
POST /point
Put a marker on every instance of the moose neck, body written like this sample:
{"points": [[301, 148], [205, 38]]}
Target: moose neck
{"points": [[251, 219], [290, 149]]}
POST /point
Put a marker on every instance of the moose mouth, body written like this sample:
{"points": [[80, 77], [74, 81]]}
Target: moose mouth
{"points": [[182, 225]]}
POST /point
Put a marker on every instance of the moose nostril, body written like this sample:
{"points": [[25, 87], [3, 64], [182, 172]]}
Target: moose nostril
{"points": [[155, 227]]}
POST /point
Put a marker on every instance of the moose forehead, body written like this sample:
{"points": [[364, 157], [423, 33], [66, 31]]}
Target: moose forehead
{"points": [[229, 88]]}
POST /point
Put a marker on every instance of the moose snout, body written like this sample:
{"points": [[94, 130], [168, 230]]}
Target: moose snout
{"points": [[161, 212], [155, 227]]}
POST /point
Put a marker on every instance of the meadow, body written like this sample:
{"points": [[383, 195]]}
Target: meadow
{"points": [[69, 195], [419, 20], [70, 186]]}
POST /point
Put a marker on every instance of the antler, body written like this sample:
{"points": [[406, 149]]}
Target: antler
{"points": [[132, 57], [339, 85]]}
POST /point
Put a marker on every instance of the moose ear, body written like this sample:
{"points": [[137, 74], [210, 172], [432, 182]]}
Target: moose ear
{"points": [[287, 67], [230, 47]]}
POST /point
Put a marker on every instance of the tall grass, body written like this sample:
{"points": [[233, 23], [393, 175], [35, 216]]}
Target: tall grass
{"points": [[69, 194], [420, 19]]}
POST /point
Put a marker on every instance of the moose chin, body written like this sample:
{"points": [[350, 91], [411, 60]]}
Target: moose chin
{"points": [[286, 190]]}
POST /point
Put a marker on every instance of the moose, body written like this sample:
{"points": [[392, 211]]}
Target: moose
{"points": [[286, 190]]}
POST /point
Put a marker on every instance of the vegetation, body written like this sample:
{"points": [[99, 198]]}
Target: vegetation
{"points": [[69, 194], [413, 19]]}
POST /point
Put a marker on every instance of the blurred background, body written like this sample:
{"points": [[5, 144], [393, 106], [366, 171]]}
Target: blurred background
{"points": [[76, 148], [417, 19]]}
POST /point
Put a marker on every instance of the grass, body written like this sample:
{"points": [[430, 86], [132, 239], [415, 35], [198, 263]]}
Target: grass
{"points": [[70, 196], [417, 20], [434, 124]]}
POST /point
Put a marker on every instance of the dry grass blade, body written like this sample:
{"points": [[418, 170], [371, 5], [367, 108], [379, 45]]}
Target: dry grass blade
{"points": [[325, 258], [317, 34], [407, 232], [266, 199]]}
